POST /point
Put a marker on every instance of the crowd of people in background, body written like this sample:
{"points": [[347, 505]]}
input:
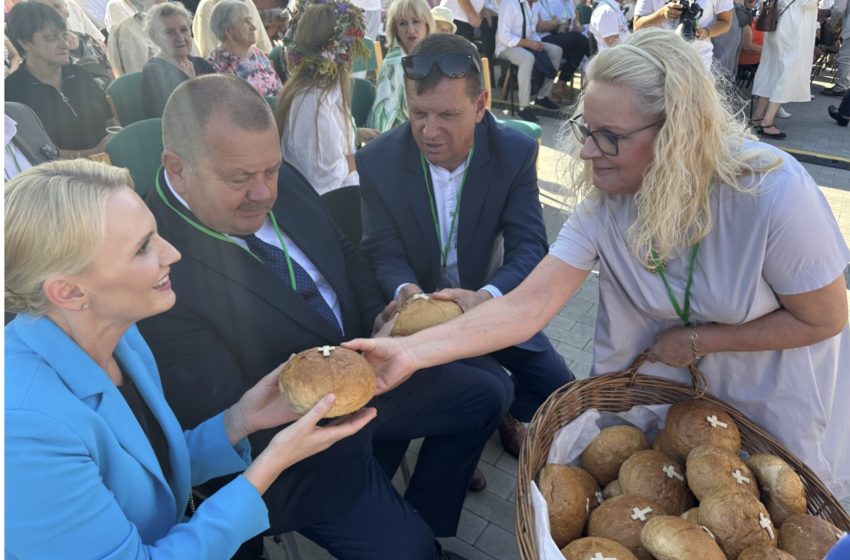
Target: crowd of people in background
{"points": [[122, 395]]}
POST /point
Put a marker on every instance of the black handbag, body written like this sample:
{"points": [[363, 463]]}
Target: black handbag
{"points": [[769, 14]]}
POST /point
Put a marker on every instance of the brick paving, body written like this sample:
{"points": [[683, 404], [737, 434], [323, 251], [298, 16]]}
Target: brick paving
{"points": [[486, 530]]}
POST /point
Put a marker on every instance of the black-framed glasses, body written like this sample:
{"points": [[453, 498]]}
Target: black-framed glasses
{"points": [[607, 142], [418, 66]]}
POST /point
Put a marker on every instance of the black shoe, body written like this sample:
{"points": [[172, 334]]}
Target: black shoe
{"points": [[527, 114], [840, 120], [833, 92], [478, 482], [546, 103], [775, 135]]}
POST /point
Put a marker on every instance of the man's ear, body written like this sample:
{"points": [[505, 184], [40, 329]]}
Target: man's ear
{"points": [[177, 170], [481, 105], [65, 293]]}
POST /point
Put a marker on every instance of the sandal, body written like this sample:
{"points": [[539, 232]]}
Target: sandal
{"points": [[761, 130]]}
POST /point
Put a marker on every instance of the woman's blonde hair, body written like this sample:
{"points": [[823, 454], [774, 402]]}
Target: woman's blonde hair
{"points": [[55, 222], [408, 9], [316, 28], [699, 142]]}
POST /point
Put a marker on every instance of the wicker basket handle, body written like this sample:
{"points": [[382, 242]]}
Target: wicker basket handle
{"points": [[697, 378]]}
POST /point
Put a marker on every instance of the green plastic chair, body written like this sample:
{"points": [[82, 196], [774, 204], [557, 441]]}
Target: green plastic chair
{"points": [[277, 62], [125, 97], [362, 98], [531, 130], [138, 148], [373, 62]]}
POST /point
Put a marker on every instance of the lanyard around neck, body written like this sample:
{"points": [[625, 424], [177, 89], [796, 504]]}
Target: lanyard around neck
{"points": [[444, 248], [221, 237], [683, 312], [10, 150]]}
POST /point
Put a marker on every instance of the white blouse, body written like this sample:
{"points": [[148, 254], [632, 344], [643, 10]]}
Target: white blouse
{"points": [[317, 137], [509, 31]]}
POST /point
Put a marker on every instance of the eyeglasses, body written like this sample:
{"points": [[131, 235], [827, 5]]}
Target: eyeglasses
{"points": [[418, 66], [606, 141]]}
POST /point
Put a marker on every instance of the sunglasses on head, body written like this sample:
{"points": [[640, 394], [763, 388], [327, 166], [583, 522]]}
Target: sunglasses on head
{"points": [[418, 66]]}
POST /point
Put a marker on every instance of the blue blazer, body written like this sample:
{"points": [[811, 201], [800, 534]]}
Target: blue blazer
{"points": [[500, 198], [82, 480]]}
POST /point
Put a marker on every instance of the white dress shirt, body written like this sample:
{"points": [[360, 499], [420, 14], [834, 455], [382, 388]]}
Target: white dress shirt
{"points": [[446, 186], [267, 234], [15, 161], [509, 32], [317, 138]]}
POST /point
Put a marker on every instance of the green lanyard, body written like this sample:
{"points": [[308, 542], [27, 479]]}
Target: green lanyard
{"points": [[11, 152], [425, 173], [216, 235], [659, 267]]}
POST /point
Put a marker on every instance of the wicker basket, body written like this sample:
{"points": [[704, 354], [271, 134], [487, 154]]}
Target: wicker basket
{"points": [[618, 392]]}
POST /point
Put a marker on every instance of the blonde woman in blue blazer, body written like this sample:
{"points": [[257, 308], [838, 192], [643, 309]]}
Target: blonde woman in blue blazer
{"points": [[97, 465]]}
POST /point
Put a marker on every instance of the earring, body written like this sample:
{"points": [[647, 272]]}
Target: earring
{"points": [[85, 306]]}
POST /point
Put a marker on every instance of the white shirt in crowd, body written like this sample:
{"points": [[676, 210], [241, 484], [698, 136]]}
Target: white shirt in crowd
{"points": [[608, 20], [564, 10], [509, 31], [317, 138], [267, 234], [446, 185], [458, 12], [14, 158], [710, 9], [117, 11], [95, 9], [81, 23]]}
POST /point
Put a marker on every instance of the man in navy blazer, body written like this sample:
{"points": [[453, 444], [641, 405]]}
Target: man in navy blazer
{"points": [[450, 202], [239, 315]]}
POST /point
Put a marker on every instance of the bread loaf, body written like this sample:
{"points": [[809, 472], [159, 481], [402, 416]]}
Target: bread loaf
{"points": [[674, 538], [807, 537], [698, 422], [310, 375], [709, 468], [421, 312], [737, 519], [592, 548], [656, 477], [764, 552], [570, 494], [621, 519], [783, 490], [608, 450]]}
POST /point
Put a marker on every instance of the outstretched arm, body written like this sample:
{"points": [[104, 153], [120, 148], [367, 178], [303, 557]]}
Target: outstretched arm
{"points": [[495, 324]]}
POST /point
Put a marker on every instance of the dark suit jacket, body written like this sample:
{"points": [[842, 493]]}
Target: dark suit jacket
{"points": [[31, 138], [500, 197], [234, 321]]}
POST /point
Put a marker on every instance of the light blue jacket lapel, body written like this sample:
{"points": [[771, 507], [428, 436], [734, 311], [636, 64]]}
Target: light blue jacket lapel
{"points": [[92, 386]]}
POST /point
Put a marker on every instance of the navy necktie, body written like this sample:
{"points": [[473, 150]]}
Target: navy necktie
{"points": [[275, 260]]}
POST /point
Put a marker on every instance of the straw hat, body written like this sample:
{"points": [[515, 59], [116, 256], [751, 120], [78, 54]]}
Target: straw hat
{"points": [[444, 14]]}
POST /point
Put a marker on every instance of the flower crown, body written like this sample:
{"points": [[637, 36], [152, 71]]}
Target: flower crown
{"points": [[345, 43]]}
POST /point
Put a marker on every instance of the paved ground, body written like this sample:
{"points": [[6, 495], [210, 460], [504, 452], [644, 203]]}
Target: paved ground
{"points": [[486, 530]]}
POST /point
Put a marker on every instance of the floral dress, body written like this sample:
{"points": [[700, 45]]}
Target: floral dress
{"points": [[256, 69]]}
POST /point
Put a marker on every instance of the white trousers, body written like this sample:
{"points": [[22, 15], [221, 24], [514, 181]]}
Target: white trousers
{"points": [[525, 62]]}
